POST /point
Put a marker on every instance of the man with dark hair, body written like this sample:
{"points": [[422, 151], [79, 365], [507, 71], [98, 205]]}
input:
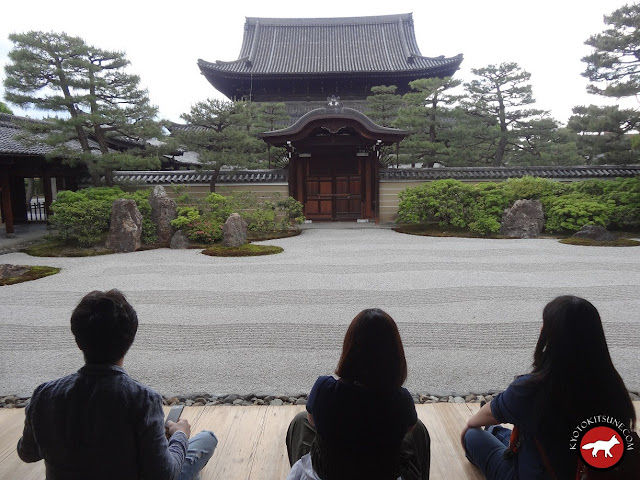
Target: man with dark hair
{"points": [[99, 423]]}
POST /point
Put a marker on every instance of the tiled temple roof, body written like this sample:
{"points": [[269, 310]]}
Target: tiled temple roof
{"points": [[12, 145], [391, 174], [503, 173], [320, 46], [194, 176]]}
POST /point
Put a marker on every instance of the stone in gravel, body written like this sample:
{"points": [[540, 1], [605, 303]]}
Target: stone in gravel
{"points": [[201, 400], [210, 404], [10, 399], [458, 400], [443, 399], [125, 230], [634, 396], [8, 271], [525, 219], [189, 403], [300, 401], [249, 396], [173, 400], [480, 398], [198, 404], [163, 210], [469, 398], [9, 405], [269, 398], [596, 232], [234, 231], [488, 398], [179, 241], [276, 402], [258, 401], [238, 401]]}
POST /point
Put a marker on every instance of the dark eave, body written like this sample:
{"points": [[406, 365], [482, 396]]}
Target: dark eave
{"points": [[333, 119]]}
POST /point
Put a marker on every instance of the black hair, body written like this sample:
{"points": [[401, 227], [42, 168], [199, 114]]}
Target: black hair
{"points": [[104, 325], [372, 351]]}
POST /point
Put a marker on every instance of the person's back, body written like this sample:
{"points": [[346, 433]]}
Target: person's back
{"points": [[99, 416], [99, 423]]}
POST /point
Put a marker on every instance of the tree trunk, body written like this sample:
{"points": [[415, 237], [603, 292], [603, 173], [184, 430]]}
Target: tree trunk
{"points": [[214, 179]]}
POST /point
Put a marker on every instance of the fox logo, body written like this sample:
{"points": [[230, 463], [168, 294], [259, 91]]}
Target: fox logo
{"points": [[604, 445]]}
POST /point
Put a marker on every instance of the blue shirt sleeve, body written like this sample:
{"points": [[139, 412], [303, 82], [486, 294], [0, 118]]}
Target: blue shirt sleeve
{"points": [[28, 449], [412, 415], [313, 394], [514, 404]]}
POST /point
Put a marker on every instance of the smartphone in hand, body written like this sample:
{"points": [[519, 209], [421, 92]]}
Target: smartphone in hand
{"points": [[174, 413]]}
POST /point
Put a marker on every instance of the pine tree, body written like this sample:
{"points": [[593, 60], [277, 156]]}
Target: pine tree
{"points": [[427, 114], [222, 134], [497, 104], [91, 89], [614, 66]]}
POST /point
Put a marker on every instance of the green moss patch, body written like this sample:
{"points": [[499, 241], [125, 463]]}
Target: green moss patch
{"points": [[435, 230], [261, 236], [246, 250], [621, 242], [11, 274], [57, 249]]}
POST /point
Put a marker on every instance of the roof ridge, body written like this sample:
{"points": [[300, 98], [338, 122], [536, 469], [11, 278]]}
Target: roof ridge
{"points": [[325, 21]]}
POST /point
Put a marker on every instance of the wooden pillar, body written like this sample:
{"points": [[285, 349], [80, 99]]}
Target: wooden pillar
{"points": [[7, 210], [368, 192], [48, 193], [301, 169]]}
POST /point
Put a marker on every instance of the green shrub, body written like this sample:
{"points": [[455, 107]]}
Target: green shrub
{"points": [[533, 188], [82, 218], [292, 210], [186, 215], [572, 212], [204, 230]]}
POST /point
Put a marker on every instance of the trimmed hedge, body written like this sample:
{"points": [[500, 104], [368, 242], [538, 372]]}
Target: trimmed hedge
{"points": [[614, 204], [82, 218]]}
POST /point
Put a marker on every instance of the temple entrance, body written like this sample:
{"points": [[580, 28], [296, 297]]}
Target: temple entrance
{"points": [[333, 189], [334, 161]]}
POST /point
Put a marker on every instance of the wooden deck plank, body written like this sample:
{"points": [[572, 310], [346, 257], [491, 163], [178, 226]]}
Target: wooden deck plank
{"points": [[252, 441]]}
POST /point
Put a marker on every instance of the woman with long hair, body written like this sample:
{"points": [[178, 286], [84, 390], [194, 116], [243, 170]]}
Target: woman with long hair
{"points": [[361, 422], [573, 379]]}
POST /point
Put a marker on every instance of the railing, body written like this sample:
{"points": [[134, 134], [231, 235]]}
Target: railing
{"points": [[36, 211]]}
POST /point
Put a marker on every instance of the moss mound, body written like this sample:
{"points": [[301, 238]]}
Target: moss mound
{"points": [[57, 249], [260, 236], [586, 242], [246, 250], [435, 230], [29, 273]]}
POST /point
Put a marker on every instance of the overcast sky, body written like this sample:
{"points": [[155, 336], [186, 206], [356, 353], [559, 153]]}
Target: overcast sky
{"points": [[163, 40]]}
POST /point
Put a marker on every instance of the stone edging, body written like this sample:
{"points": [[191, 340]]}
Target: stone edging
{"points": [[205, 399]]}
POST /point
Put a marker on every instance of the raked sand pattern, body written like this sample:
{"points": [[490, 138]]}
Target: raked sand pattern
{"points": [[469, 310]]}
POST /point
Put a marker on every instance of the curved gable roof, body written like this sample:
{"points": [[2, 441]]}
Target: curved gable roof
{"points": [[286, 46]]}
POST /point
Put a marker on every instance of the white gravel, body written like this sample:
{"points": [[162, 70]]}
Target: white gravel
{"points": [[469, 310]]}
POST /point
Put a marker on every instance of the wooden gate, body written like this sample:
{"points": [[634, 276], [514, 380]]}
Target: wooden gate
{"points": [[333, 189]]}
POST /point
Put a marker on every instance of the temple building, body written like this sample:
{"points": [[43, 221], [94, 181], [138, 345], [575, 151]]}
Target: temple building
{"points": [[323, 70], [302, 61]]}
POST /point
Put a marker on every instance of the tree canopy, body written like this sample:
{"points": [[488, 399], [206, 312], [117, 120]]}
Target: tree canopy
{"points": [[614, 66], [97, 99], [5, 109], [223, 133]]}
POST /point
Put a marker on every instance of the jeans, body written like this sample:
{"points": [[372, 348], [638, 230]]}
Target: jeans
{"points": [[201, 447], [485, 449]]}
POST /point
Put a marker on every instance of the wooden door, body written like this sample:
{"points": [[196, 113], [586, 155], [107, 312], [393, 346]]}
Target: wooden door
{"points": [[333, 189]]}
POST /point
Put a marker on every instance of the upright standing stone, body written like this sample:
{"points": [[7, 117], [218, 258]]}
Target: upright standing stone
{"points": [[179, 241], [234, 231], [125, 232], [163, 210], [525, 219]]}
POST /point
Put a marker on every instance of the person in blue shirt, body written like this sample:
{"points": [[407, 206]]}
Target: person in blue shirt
{"points": [[99, 423], [361, 423], [573, 379]]}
